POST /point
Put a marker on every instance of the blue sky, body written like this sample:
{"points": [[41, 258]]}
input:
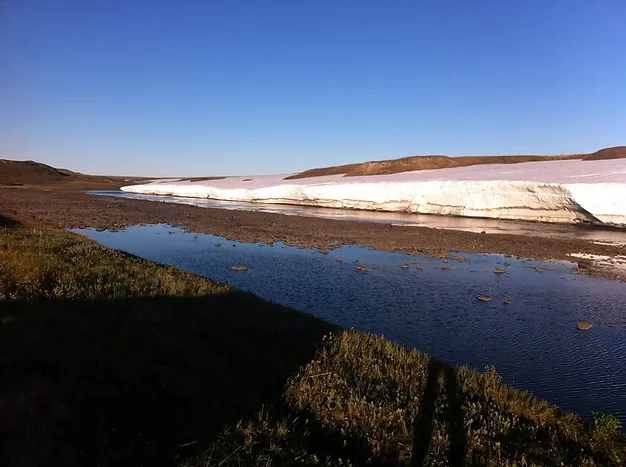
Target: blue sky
{"points": [[166, 87]]}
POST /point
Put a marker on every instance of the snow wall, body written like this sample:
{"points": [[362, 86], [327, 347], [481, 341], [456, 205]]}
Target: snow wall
{"points": [[569, 191]]}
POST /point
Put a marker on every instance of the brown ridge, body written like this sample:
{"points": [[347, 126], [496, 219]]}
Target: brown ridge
{"points": [[618, 152], [407, 164], [31, 173]]}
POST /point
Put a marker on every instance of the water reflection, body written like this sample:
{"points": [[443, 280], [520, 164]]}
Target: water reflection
{"points": [[468, 224], [432, 305]]}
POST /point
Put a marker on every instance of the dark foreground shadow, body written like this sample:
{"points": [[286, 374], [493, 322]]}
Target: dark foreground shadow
{"points": [[423, 423], [9, 223], [143, 381]]}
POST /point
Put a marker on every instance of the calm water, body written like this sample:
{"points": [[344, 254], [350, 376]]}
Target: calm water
{"points": [[468, 224], [533, 342]]}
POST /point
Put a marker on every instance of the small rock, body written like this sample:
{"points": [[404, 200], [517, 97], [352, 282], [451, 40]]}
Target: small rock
{"points": [[499, 271], [484, 298], [447, 268], [218, 245], [362, 268], [324, 252], [506, 301], [583, 326], [281, 265], [339, 260], [404, 266], [239, 268]]}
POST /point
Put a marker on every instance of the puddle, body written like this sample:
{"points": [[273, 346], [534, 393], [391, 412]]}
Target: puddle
{"points": [[433, 305]]}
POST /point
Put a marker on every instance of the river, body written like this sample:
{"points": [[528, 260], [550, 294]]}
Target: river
{"points": [[431, 304]]}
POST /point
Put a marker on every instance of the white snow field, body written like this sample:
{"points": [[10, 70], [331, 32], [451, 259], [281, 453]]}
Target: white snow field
{"points": [[568, 191]]}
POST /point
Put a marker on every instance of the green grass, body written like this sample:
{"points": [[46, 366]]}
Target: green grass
{"points": [[107, 359], [111, 360]]}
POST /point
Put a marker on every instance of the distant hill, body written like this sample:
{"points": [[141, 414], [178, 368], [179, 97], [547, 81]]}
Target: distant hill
{"points": [[30, 173], [407, 164], [618, 152]]}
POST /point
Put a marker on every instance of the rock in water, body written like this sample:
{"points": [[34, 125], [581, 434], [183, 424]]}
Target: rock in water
{"points": [[239, 267], [584, 326], [499, 271], [484, 298]]}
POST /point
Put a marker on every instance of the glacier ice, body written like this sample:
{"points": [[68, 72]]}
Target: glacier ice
{"points": [[568, 191]]}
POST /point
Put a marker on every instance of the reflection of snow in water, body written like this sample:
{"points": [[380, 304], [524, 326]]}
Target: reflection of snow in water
{"points": [[467, 224], [552, 191]]}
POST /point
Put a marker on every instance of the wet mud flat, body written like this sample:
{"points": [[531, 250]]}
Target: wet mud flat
{"points": [[81, 210]]}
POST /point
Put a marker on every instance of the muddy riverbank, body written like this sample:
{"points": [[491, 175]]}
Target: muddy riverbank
{"points": [[80, 210]]}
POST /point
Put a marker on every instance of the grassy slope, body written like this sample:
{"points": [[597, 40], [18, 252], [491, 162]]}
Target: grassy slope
{"points": [[111, 360], [30, 174]]}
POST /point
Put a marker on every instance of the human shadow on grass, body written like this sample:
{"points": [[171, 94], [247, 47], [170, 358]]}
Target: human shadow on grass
{"points": [[141, 381], [422, 429]]}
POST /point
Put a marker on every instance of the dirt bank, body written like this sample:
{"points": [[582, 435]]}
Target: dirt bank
{"points": [[71, 209]]}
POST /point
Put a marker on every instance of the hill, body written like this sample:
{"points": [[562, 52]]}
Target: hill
{"points": [[408, 164], [31, 173], [618, 152], [28, 172]]}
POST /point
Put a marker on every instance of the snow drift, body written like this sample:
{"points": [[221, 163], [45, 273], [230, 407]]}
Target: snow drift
{"points": [[568, 191]]}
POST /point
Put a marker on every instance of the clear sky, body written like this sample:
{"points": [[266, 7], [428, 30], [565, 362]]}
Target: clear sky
{"points": [[202, 87]]}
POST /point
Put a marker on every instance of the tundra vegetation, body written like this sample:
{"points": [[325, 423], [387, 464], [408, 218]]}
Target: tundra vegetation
{"points": [[108, 359]]}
